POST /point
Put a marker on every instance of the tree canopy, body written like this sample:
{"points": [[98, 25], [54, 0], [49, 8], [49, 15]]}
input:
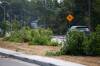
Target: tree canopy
{"points": [[51, 13]]}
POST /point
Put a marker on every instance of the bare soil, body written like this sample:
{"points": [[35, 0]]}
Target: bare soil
{"points": [[86, 60], [41, 50], [28, 49]]}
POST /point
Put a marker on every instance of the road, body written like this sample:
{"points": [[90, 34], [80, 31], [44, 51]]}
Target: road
{"points": [[59, 38], [13, 62]]}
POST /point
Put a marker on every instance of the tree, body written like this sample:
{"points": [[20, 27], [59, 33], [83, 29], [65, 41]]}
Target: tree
{"points": [[15, 25], [5, 26], [82, 11], [95, 13], [89, 10]]}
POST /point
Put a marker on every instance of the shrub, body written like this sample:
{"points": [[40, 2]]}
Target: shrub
{"points": [[73, 44], [26, 34], [41, 36], [33, 36], [23, 35], [15, 37], [79, 44], [92, 43]]}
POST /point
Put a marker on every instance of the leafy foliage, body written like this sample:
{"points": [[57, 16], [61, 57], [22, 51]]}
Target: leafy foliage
{"points": [[92, 43], [32, 36], [23, 35], [51, 13], [79, 44], [41, 36], [15, 25], [5, 27], [73, 44]]}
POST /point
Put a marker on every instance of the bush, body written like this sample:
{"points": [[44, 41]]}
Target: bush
{"points": [[33, 36], [23, 35], [41, 36], [26, 34], [79, 44], [73, 44], [92, 43], [15, 37]]}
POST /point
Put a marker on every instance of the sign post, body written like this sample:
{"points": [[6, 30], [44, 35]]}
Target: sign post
{"points": [[69, 18]]}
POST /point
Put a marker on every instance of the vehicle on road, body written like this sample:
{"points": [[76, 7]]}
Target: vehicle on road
{"points": [[83, 29]]}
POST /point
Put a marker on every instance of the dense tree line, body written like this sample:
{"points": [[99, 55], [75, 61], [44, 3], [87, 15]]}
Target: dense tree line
{"points": [[51, 13]]}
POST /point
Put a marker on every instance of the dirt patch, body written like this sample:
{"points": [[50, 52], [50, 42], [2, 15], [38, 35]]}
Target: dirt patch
{"points": [[41, 50], [28, 49], [86, 60]]}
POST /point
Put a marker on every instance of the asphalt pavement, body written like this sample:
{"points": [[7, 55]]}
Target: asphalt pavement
{"points": [[14, 62], [40, 60]]}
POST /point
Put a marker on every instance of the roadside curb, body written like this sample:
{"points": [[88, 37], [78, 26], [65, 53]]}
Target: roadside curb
{"points": [[42, 61]]}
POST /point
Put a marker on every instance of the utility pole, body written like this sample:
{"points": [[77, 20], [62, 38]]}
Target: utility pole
{"points": [[4, 9], [89, 13]]}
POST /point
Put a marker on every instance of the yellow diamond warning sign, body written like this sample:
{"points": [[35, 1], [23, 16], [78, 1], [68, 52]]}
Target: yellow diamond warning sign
{"points": [[70, 18]]}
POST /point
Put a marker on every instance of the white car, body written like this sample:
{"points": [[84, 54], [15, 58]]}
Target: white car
{"points": [[84, 29]]}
